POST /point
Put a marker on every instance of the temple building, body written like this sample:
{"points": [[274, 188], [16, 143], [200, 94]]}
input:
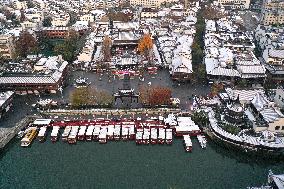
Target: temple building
{"points": [[234, 113]]}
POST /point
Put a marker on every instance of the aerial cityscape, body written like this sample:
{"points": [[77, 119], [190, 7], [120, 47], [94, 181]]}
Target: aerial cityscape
{"points": [[168, 94]]}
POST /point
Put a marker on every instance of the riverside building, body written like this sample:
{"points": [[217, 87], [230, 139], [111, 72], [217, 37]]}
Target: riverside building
{"points": [[28, 77]]}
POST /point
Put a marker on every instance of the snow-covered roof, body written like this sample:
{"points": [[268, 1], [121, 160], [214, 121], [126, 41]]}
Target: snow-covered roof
{"points": [[243, 95], [270, 115], [4, 96], [42, 122], [260, 101], [276, 53], [278, 180], [181, 64]]}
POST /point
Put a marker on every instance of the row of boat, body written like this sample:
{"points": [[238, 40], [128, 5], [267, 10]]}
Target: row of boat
{"points": [[188, 143], [154, 136], [96, 133], [111, 132]]}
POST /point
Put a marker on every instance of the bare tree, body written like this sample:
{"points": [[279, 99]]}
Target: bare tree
{"points": [[107, 48]]}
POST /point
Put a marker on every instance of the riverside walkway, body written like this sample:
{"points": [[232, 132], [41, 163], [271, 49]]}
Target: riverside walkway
{"points": [[115, 112]]}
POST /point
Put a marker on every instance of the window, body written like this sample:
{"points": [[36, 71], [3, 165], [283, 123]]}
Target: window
{"points": [[277, 127]]}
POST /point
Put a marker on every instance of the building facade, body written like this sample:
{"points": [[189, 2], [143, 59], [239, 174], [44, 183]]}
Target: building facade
{"points": [[7, 46], [235, 4], [148, 13], [273, 12], [87, 17], [20, 5], [149, 3], [60, 20]]}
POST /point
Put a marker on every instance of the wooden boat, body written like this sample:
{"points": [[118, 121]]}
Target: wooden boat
{"points": [[29, 137], [54, 133], [124, 133], [139, 137], [116, 133], [154, 136], [96, 133], [169, 136], [187, 143], [110, 132], [65, 133], [146, 136], [131, 132], [72, 138], [103, 136], [21, 134], [89, 133], [42, 134], [81, 133], [162, 135]]}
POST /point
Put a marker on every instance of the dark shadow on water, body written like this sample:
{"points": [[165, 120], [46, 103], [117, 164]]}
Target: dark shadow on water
{"points": [[244, 157], [10, 145]]}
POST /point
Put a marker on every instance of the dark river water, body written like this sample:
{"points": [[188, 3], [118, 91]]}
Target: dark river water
{"points": [[125, 165]]}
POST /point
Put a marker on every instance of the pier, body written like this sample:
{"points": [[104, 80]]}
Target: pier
{"points": [[7, 134]]}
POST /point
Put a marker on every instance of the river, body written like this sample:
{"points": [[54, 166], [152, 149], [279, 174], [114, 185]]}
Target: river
{"points": [[125, 165]]}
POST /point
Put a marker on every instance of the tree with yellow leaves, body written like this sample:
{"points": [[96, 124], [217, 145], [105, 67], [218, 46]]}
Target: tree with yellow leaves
{"points": [[145, 45]]}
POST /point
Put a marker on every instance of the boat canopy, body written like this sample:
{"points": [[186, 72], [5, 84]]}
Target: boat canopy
{"points": [[42, 122]]}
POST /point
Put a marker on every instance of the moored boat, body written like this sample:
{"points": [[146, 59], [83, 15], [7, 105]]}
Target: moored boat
{"points": [[89, 133], [72, 138], [202, 141], [154, 136], [54, 133], [96, 132], [187, 143], [81, 133], [110, 132], [139, 136], [29, 136], [169, 136], [131, 132], [42, 134], [116, 133], [103, 136], [20, 134], [65, 133], [162, 135], [146, 136], [124, 133]]}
